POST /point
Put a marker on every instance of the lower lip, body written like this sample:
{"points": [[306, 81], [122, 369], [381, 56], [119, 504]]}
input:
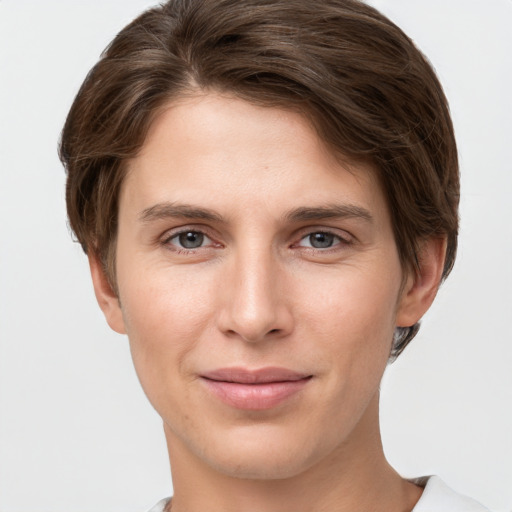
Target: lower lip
{"points": [[255, 397]]}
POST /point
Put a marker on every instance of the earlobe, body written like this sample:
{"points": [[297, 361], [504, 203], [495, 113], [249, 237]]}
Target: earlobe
{"points": [[105, 295], [421, 288]]}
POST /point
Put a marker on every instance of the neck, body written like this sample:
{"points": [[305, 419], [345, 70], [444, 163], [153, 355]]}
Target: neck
{"points": [[356, 476]]}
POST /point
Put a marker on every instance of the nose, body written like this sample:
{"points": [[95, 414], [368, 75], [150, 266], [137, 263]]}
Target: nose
{"points": [[255, 305]]}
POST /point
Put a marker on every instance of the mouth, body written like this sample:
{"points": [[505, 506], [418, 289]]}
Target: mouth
{"points": [[254, 390]]}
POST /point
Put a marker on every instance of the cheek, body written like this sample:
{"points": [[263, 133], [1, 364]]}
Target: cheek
{"points": [[352, 320], [352, 306], [165, 314], [159, 298]]}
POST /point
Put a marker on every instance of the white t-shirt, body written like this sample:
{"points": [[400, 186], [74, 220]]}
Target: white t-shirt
{"points": [[436, 497]]}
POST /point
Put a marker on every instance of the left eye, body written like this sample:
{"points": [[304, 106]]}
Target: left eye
{"points": [[189, 240], [320, 240]]}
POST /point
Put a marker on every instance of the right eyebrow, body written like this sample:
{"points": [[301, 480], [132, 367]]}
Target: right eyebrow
{"points": [[168, 210]]}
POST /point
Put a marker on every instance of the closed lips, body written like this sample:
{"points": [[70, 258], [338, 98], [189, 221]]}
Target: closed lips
{"points": [[254, 390], [259, 376]]}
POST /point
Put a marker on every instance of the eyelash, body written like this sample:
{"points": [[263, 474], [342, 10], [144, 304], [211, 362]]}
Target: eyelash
{"points": [[338, 240], [184, 250]]}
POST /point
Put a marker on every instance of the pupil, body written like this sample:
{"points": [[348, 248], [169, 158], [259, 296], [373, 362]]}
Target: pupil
{"points": [[191, 240], [321, 240]]}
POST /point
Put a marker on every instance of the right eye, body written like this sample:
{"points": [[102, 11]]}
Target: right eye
{"points": [[188, 240]]}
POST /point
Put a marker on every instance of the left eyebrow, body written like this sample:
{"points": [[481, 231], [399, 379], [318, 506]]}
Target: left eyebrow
{"points": [[331, 211]]}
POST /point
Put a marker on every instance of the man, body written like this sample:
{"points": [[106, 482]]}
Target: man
{"points": [[267, 192]]}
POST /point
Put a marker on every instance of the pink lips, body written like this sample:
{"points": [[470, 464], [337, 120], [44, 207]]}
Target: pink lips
{"points": [[254, 389]]}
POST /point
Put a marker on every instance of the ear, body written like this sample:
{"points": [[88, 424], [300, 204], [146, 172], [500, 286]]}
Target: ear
{"points": [[105, 295], [421, 287]]}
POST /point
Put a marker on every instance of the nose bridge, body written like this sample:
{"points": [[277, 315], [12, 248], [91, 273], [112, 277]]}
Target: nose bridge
{"points": [[255, 306]]}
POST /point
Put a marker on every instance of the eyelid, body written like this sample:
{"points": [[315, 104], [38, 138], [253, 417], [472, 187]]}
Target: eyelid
{"points": [[345, 238], [342, 234], [169, 234]]}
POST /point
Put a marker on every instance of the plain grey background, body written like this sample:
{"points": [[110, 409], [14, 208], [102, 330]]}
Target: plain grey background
{"points": [[76, 432]]}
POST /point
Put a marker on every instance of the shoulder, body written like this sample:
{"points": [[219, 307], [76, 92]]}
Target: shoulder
{"points": [[160, 506], [438, 497]]}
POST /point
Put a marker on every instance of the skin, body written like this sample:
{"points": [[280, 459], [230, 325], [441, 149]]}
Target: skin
{"points": [[257, 184]]}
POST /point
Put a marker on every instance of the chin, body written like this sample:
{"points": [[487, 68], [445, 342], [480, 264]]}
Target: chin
{"points": [[260, 456], [267, 466]]}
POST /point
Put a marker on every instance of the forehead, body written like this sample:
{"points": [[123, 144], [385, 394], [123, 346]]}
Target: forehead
{"points": [[221, 151]]}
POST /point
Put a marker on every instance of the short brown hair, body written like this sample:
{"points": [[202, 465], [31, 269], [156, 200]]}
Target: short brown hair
{"points": [[366, 88]]}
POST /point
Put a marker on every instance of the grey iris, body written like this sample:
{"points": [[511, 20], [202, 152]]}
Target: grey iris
{"points": [[321, 240], [191, 239]]}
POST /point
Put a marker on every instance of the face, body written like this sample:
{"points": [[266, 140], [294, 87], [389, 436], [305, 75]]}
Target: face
{"points": [[259, 285]]}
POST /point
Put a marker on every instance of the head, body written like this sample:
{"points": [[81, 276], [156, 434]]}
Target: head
{"points": [[337, 69]]}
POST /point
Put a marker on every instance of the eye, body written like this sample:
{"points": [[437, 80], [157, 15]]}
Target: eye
{"points": [[188, 240], [322, 240]]}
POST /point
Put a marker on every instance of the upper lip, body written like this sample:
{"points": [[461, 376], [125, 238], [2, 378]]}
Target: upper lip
{"points": [[254, 376]]}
